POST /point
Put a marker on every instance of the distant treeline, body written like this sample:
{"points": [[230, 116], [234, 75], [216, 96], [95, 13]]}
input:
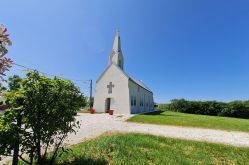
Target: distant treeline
{"points": [[239, 109]]}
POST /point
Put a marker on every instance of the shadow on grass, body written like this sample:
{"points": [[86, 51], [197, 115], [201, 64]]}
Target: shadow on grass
{"points": [[155, 113], [159, 113], [84, 161]]}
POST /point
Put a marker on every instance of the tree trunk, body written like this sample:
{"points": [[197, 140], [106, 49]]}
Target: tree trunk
{"points": [[38, 144], [16, 149], [31, 158], [39, 158], [15, 155]]}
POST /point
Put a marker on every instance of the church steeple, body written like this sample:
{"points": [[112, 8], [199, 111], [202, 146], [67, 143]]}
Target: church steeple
{"points": [[117, 44], [117, 57]]}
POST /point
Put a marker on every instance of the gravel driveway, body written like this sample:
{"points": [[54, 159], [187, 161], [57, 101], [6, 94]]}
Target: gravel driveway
{"points": [[93, 125]]}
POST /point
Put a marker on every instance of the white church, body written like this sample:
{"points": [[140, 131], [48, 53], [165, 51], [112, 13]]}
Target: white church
{"points": [[118, 91]]}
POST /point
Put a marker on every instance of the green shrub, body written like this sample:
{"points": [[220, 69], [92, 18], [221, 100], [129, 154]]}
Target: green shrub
{"points": [[239, 109], [163, 107]]}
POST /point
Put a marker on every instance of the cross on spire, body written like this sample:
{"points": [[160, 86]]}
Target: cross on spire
{"points": [[110, 86]]}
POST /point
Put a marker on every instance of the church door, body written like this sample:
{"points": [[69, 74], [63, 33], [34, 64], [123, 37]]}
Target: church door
{"points": [[107, 104]]}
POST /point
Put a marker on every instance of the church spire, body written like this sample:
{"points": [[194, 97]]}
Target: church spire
{"points": [[117, 42], [117, 57]]}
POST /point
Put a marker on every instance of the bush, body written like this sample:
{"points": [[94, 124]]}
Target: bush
{"points": [[39, 118], [163, 107], [239, 109]]}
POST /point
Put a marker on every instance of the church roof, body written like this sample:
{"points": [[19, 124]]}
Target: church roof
{"points": [[140, 83]]}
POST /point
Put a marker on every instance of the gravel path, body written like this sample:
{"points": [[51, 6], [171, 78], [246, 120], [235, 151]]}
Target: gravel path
{"points": [[94, 125], [97, 124]]}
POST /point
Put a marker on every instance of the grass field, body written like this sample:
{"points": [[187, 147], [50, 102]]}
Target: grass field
{"points": [[191, 120], [83, 111], [147, 149]]}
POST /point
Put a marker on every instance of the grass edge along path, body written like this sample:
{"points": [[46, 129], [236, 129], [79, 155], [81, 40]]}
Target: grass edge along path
{"points": [[134, 148], [192, 120]]}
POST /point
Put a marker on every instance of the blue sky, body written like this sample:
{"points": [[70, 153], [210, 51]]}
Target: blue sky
{"points": [[193, 49]]}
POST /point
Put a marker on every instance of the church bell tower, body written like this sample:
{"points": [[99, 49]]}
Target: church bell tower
{"points": [[117, 57]]}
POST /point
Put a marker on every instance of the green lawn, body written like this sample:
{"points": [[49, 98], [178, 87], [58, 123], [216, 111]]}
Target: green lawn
{"points": [[83, 111], [147, 149], [191, 120]]}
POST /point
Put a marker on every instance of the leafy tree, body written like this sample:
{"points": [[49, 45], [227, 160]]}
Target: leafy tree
{"points": [[164, 107], [14, 82], [5, 63], [46, 108], [2, 88], [238, 109], [179, 105], [10, 126]]}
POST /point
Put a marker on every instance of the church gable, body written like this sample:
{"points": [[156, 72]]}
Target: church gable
{"points": [[112, 91], [109, 68]]}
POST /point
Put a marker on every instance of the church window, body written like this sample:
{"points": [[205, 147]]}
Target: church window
{"points": [[141, 102], [147, 103], [131, 100], [135, 101], [144, 100]]}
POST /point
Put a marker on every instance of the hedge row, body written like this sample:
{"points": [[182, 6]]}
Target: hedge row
{"points": [[239, 109]]}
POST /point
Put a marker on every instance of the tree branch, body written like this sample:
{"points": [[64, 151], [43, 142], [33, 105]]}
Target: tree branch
{"points": [[20, 156], [45, 153], [57, 148], [7, 155]]}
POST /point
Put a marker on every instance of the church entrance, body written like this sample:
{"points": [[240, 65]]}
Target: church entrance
{"points": [[107, 104]]}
